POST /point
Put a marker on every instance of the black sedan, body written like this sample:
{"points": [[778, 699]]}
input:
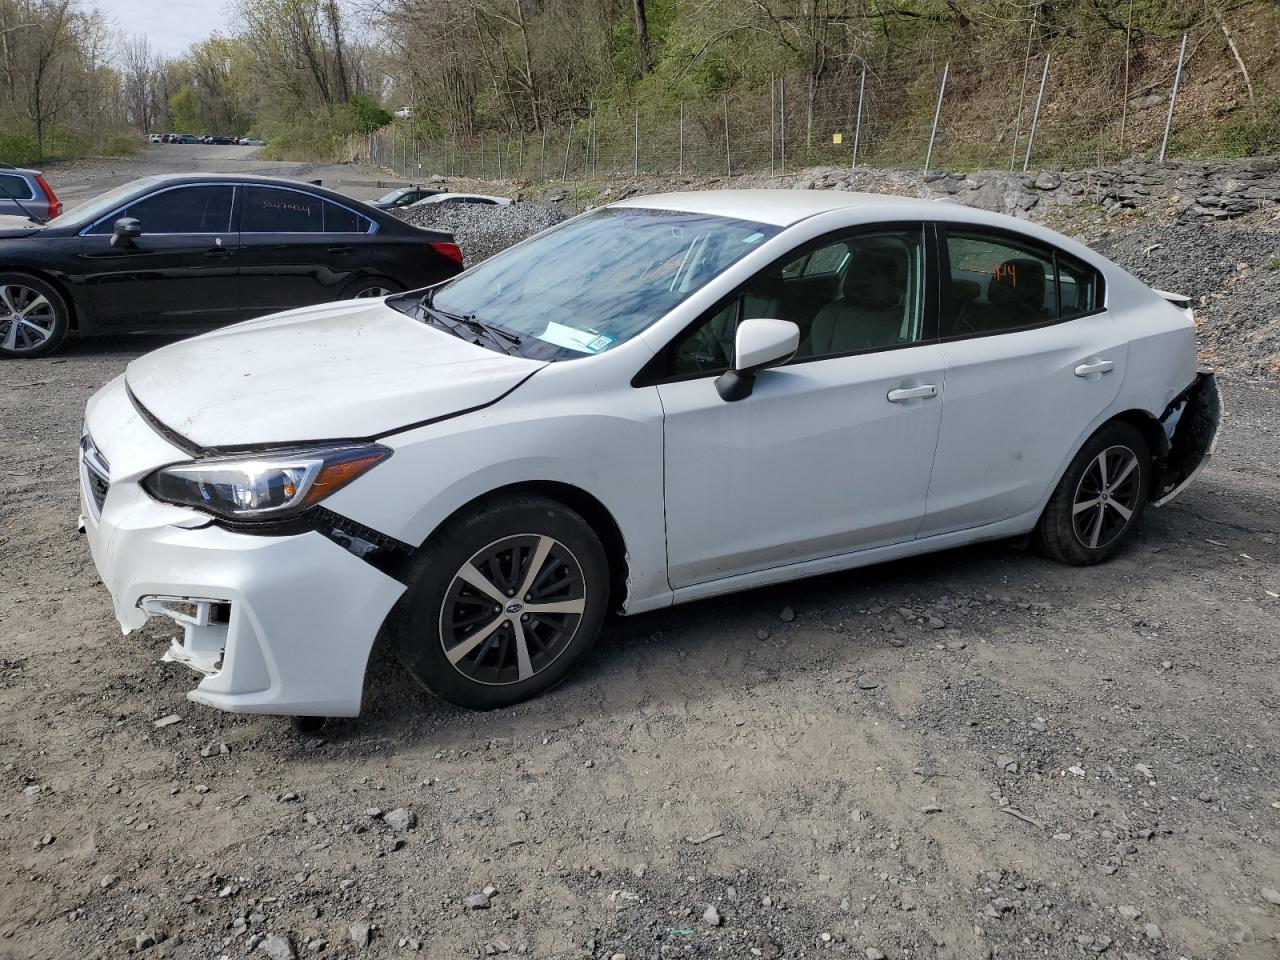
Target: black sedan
{"points": [[187, 253], [403, 197]]}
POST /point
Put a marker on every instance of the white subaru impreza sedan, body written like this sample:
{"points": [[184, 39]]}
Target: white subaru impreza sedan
{"points": [[661, 400]]}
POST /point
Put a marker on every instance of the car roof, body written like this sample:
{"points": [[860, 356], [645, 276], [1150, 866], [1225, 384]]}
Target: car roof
{"points": [[783, 207], [449, 195]]}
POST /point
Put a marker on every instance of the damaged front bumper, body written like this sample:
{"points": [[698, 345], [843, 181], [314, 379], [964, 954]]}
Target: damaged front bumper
{"points": [[274, 624], [1190, 424]]}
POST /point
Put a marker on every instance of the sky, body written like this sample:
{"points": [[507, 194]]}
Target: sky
{"points": [[170, 25]]}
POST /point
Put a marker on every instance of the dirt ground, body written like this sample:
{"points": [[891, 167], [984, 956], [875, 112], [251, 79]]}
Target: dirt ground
{"points": [[974, 754]]}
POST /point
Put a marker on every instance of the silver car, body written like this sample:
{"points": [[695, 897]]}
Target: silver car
{"points": [[25, 193]]}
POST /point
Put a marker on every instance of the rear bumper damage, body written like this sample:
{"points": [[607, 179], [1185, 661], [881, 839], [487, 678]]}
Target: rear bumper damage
{"points": [[1190, 424]]}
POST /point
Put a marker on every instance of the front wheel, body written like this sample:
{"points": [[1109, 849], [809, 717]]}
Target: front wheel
{"points": [[371, 288], [502, 602], [1099, 500], [33, 316]]}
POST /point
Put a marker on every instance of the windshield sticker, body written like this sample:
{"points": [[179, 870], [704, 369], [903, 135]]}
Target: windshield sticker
{"points": [[584, 341], [754, 238]]}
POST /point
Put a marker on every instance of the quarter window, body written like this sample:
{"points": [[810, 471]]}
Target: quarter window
{"points": [[183, 210], [12, 187], [341, 220], [1078, 287], [267, 210]]}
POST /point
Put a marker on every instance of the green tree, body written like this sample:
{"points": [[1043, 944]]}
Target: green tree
{"points": [[367, 114], [184, 108]]}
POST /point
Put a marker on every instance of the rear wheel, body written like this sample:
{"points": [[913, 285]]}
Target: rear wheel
{"points": [[374, 287], [1099, 500], [33, 316], [502, 603]]}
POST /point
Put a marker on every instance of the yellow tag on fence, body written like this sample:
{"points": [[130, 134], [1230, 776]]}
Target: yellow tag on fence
{"points": [[837, 138]]}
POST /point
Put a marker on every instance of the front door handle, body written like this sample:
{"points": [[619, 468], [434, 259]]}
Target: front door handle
{"points": [[903, 394], [1091, 367], [340, 248], [218, 252]]}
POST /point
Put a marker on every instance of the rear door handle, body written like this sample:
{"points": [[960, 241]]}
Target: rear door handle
{"points": [[218, 252], [903, 394], [340, 248], [1094, 366]]}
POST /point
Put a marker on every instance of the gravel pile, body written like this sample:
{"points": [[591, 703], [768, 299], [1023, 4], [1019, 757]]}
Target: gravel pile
{"points": [[1232, 274], [481, 231]]}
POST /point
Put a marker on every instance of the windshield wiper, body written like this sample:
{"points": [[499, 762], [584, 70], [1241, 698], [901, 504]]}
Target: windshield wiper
{"points": [[472, 323], [30, 216]]}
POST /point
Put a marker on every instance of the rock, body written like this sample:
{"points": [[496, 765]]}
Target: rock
{"points": [[168, 721], [787, 615], [867, 682], [711, 916], [1047, 181], [1152, 931], [401, 819], [1130, 913], [477, 901], [762, 634], [640, 869], [931, 808], [278, 947], [589, 764], [109, 881], [360, 934], [874, 954], [1271, 896], [146, 939]]}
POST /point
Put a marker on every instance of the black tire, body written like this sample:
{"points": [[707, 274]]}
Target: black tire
{"points": [[441, 614], [45, 318], [371, 287], [1085, 520]]}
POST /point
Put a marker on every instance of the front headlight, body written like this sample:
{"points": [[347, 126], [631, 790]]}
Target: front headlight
{"points": [[266, 486]]}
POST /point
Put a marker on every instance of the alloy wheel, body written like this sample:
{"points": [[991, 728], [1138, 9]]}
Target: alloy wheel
{"points": [[370, 292], [27, 318], [512, 609], [1106, 497]]}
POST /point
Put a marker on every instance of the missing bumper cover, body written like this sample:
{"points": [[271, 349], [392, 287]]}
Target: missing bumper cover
{"points": [[1191, 422], [204, 625]]}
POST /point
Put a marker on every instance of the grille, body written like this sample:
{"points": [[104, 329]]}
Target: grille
{"points": [[96, 473]]}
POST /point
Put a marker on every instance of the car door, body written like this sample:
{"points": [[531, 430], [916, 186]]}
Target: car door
{"points": [[829, 454], [1033, 360], [180, 275], [297, 249]]}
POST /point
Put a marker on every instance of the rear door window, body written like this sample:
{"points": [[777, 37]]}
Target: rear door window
{"points": [[270, 210]]}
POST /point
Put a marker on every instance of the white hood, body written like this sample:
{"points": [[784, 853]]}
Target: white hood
{"points": [[339, 371]]}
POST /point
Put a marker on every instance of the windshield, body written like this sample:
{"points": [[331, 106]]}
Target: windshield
{"points": [[393, 195], [98, 205], [598, 280]]}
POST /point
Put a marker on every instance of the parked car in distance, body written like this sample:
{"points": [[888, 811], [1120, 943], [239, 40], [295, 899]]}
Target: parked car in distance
{"points": [[179, 254], [669, 398], [458, 199], [155, 138], [219, 141], [26, 193], [184, 138], [403, 197], [251, 142]]}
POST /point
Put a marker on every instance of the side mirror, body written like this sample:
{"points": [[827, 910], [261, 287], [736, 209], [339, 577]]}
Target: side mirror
{"points": [[125, 231], [759, 344]]}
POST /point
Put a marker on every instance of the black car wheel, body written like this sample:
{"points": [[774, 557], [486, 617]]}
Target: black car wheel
{"points": [[502, 603], [370, 288], [1099, 500], [33, 316]]}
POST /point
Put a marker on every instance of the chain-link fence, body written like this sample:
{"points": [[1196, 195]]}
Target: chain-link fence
{"points": [[1045, 112]]}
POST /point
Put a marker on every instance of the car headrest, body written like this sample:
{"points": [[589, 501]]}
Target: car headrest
{"points": [[1018, 283], [875, 278]]}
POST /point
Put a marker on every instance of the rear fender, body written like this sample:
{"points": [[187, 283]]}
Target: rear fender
{"points": [[1191, 423]]}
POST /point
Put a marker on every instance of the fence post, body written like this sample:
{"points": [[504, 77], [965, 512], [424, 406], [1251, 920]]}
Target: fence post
{"points": [[937, 113], [635, 154], [542, 157], [782, 122], [857, 125], [564, 173], [1035, 114], [591, 138], [773, 134], [728, 157], [680, 168], [498, 150], [1173, 98]]}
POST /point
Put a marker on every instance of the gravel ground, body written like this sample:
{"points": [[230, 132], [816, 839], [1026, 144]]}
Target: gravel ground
{"points": [[970, 755], [481, 231]]}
